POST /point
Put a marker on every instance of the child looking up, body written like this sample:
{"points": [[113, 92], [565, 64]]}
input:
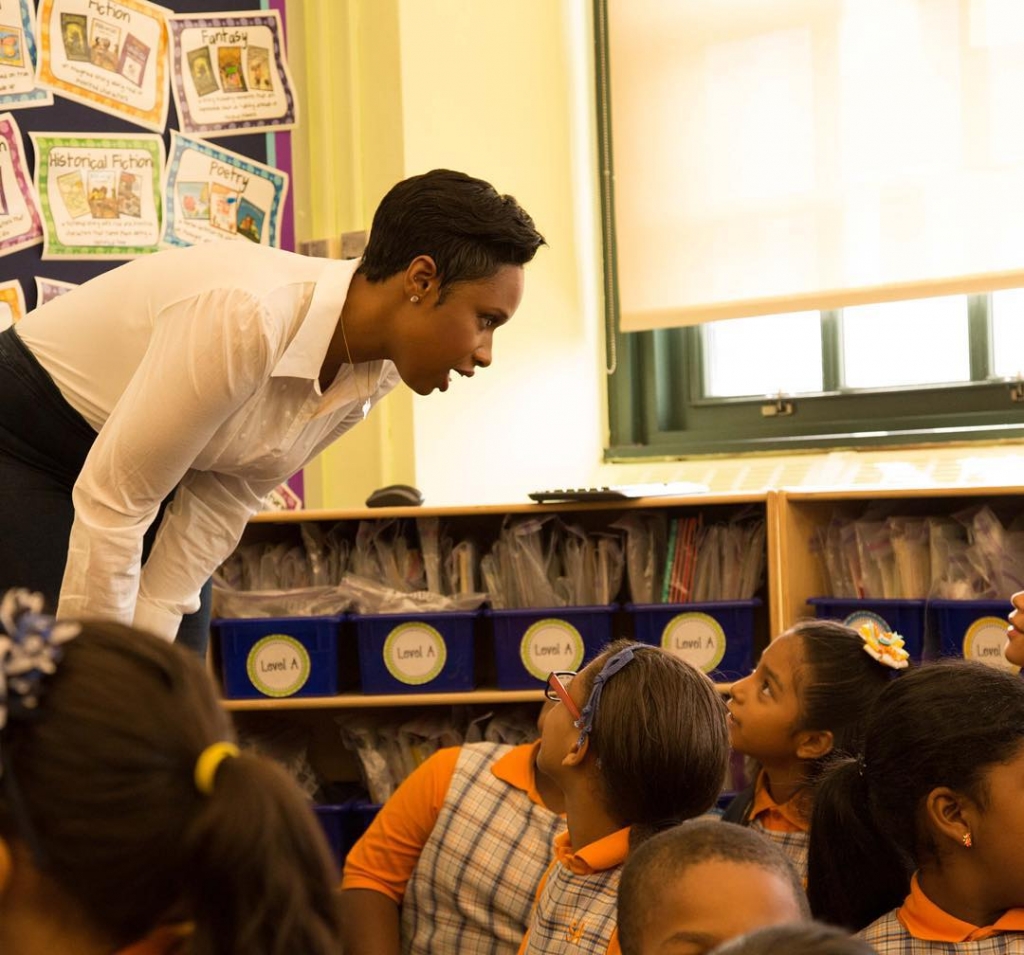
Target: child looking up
{"points": [[452, 860], [937, 794], [639, 744], [129, 821], [807, 699], [694, 886]]}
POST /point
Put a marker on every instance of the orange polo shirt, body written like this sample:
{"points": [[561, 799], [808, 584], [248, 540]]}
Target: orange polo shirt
{"points": [[923, 919], [385, 856], [599, 856], [604, 854], [775, 816]]}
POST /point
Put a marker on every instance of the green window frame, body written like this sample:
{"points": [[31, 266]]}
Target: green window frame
{"points": [[656, 403]]}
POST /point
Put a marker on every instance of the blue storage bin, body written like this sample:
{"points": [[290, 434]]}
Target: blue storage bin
{"points": [[908, 618], [529, 644], [415, 653], [974, 629], [332, 821], [279, 656], [717, 637], [344, 823]]}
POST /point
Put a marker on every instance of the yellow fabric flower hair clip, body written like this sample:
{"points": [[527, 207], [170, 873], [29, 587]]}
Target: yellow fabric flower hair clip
{"points": [[885, 646]]}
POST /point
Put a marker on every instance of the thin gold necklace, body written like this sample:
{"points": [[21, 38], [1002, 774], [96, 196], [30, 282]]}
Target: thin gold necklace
{"points": [[365, 401]]}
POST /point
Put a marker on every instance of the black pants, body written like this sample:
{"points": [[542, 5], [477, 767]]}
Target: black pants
{"points": [[43, 446]]}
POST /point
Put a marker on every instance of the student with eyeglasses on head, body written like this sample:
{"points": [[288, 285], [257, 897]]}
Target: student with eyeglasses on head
{"points": [[638, 744], [452, 860]]}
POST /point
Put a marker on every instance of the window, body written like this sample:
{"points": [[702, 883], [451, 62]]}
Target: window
{"points": [[942, 367], [812, 380]]}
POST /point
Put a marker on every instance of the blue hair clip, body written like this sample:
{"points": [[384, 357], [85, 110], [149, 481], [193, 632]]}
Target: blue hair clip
{"points": [[30, 647], [612, 665]]}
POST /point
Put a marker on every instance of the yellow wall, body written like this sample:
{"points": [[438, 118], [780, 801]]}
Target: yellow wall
{"points": [[502, 89], [347, 154]]}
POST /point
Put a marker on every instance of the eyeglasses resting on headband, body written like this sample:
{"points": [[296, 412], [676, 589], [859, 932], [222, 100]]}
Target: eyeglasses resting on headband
{"points": [[558, 680], [556, 690]]}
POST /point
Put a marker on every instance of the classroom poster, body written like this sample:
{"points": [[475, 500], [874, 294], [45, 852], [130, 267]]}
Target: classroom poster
{"points": [[49, 289], [100, 195], [229, 74], [111, 55], [18, 57], [20, 222], [12, 303], [213, 193]]}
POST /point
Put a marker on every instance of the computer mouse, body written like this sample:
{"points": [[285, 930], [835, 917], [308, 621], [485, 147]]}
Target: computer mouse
{"points": [[395, 495]]}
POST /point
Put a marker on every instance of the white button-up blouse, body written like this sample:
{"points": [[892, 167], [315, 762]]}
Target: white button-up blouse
{"points": [[199, 369]]}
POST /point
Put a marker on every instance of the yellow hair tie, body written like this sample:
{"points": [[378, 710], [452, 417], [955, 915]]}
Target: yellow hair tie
{"points": [[206, 766]]}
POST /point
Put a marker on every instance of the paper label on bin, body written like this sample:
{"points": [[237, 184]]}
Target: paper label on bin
{"points": [[695, 637], [415, 653], [278, 665], [984, 641], [550, 644], [865, 618]]}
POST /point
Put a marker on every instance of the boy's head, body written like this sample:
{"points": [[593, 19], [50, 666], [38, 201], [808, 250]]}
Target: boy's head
{"points": [[694, 886], [806, 938]]}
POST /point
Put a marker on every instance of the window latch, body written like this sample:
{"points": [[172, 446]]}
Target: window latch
{"points": [[779, 407]]}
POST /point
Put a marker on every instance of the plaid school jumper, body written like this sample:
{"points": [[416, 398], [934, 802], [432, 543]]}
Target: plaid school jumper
{"points": [[755, 808], [920, 927], [473, 887], [577, 906], [888, 936], [794, 844]]}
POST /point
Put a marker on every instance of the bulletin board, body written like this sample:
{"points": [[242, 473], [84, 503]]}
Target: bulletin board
{"points": [[272, 149]]}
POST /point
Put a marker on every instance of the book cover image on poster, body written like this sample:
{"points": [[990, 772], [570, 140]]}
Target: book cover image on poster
{"points": [[12, 49], [74, 28], [257, 59], [129, 195], [229, 65], [4, 208], [201, 67], [105, 45], [102, 194], [250, 220], [134, 55], [72, 191], [223, 208], [194, 198]]}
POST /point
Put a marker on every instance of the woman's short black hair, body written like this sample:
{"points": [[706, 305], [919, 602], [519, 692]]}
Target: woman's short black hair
{"points": [[462, 223]]}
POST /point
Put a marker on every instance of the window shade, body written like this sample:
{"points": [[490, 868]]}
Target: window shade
{"points": [[808, 154]]}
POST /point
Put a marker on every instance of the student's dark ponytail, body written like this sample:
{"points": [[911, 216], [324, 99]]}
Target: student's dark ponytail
{"points": [[837, 686], [854, 873], [661, 740], [944, 724], [114, 820], [263, 881]]}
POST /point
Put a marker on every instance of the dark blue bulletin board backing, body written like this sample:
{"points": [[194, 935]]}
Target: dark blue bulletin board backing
{"points": [[66, 116]]}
